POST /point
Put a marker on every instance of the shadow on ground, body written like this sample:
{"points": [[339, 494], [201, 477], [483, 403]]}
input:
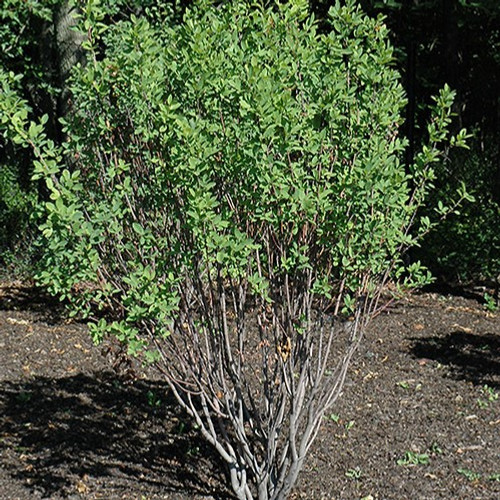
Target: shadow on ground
{"points": [[473, 292], [94, 426], [469, 356], [19, 297]]}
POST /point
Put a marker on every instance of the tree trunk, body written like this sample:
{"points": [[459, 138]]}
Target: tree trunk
{"points": [[69, 51]]}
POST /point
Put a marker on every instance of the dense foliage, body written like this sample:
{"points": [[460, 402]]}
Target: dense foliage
{"points": [[25, 88], [437, 42], [38, 47], [467, 245]]}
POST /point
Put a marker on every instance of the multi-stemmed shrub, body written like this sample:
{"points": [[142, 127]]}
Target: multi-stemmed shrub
{"points": [[231, 196]]}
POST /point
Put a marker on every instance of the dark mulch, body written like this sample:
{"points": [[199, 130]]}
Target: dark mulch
{"points": [[70, 429]]}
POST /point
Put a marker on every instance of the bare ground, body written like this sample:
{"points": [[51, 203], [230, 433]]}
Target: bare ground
{"points": [[418, 419]]}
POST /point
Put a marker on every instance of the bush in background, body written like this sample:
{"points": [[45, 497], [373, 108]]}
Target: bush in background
{"points": [[16, 227], [18, 195], [466, 247], [26, 92]]}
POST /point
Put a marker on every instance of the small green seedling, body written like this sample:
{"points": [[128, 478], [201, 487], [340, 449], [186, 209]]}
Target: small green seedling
{"points": [[490, 303], [482, 404], [469, 475], [349, 425], [354, 473], [153, 400], [334, 417], [435, 449], [24, 397], [494, 477], [403, 384], [490, 394], [411, 458], [193, 451]]}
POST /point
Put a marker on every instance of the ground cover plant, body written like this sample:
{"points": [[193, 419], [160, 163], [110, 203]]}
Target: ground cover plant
{"points": [[232, 200]]}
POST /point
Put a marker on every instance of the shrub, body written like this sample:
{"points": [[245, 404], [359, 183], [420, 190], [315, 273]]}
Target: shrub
{"points": [[16, 231], [18, 197], [236, 204], [26, 90], [466, 247]]}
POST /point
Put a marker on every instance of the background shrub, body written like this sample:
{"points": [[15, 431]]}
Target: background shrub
{"points": [[18, 195], [465, 248]]}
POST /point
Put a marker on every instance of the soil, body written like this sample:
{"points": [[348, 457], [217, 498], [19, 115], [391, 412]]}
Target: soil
{"points": [[419, 417]]}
